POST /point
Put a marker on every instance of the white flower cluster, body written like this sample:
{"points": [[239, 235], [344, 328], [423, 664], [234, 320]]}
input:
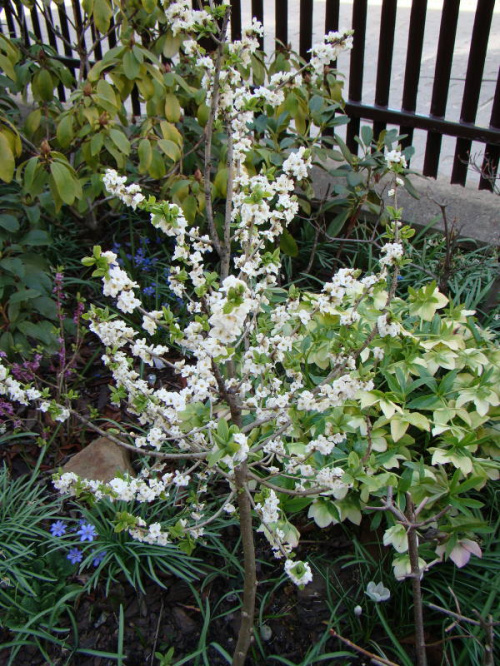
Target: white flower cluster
{"points": [[117, 284], [240, 346], [269, 511], [392, 252], [325, 445], [13, 390], [131, 195], [299, 572], [182, 18], [334, 43], [395, 158], [385, 328]]}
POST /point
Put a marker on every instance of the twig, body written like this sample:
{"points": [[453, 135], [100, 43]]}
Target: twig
{"points": [[370, 655], [157, 633], [155, 454], [460, 617], [226, 244]]}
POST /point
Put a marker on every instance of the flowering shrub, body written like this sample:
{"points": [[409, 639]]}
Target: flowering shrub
{"points": [[342, 402]]}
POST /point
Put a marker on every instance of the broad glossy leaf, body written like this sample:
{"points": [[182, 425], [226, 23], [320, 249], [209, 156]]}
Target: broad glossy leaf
{"points": [[7, 161], [64, 182]]}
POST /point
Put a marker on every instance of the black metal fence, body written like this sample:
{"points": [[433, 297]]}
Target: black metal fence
{"points": [[435, 123]]}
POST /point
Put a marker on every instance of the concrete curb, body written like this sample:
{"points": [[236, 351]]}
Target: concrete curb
{"points": [[475, 213]]}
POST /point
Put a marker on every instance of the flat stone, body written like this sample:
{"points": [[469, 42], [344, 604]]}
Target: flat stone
{"points": [[101, 461]]}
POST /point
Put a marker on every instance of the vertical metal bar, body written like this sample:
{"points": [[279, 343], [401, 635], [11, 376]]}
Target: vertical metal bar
{"points": [[23, 25], [78, 22], [10, 20], [258, 13], [413, 60], [472, 88], [385, 53], [235, 20], [63, 23], [96, 39], [489, 167], [112, 34], [49, 25], [35, 22], [281, 20], [359, 11], [136, 104], [442, 75], [77, 15], [332, 11], [306, 28]]}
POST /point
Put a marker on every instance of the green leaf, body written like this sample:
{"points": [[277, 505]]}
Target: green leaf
{"points": [[7, 161], [172, 108], [170, 149], [29, 172], [338, 222], [131, 66], [64, 182], [120, 141], [355, 178], [220, 182], [107, 97], [8, 67], [157, 168], [145, 153], [366, 135], [36, 237], [96, 143], [170, 131], [64, 131], [24, 295], [102, 15], [44, 85], [46, 307], [171, 44], [32, 122], [36, 331], [13, 265], [189, 208], [288, 244], [9, 222]]}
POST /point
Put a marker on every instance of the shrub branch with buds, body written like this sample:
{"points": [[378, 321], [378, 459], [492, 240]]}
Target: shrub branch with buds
{"points": [[331, 397]]}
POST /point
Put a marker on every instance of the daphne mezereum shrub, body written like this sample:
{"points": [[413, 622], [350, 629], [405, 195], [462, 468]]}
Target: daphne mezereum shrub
{"points": [[340, 402]]}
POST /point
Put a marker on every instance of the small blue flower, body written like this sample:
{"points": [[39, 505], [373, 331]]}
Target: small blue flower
{"points": [[87, 532], [99, 558], [149, 291], [75, 555], [58, 528]]}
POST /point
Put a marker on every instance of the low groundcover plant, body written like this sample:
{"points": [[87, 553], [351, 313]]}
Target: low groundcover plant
{"points": [[344, 402]]}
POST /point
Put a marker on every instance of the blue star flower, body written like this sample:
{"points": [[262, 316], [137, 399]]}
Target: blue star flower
{"points": [[87, 532], [58, 528], [99, 558], [75, 555]]}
